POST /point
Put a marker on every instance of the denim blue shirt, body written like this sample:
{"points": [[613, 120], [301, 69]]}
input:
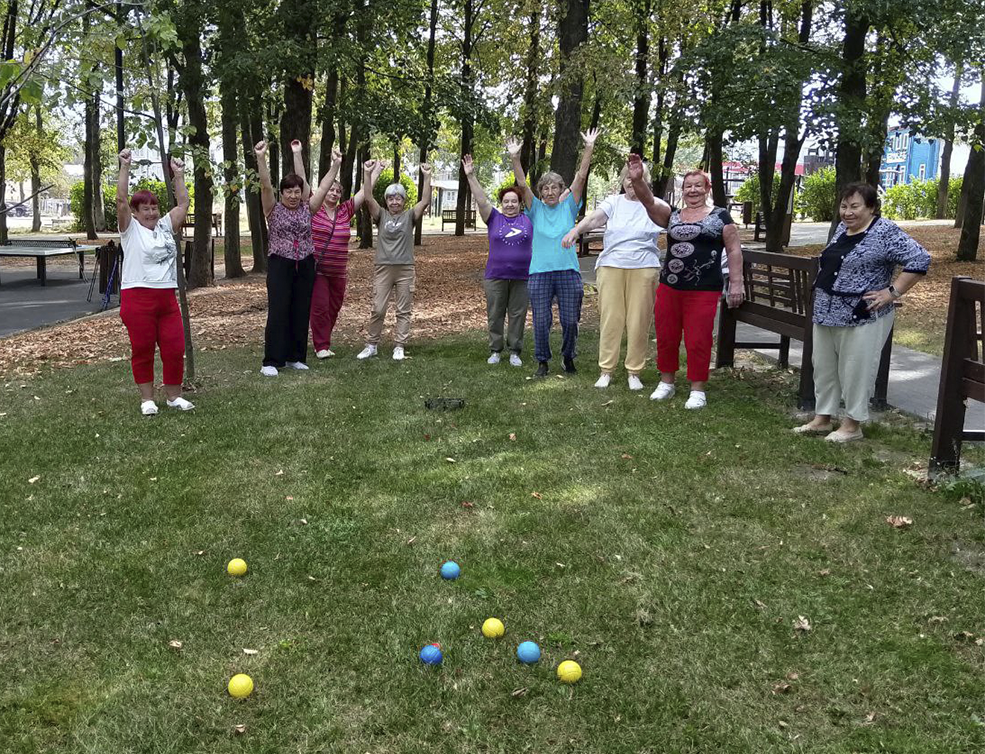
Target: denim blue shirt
{"points": [[867, 267]]}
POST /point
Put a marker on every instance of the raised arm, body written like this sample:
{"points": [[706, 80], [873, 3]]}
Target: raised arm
{"points": [[657, 209], [421, 207], [357, 200], [485, 208], [581, 177], [267, 198], [314, 204], [299, 169], [513, 147], [369, 180], [590, 222], [122, 188], [181, 198]]}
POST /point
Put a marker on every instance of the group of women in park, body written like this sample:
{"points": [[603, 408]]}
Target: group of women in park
{"points": [[532, 263]]}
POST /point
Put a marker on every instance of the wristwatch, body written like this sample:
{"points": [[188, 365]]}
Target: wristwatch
{"points": [[894, 293]]}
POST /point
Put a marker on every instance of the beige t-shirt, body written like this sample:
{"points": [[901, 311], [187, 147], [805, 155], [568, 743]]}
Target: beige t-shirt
{"points": [[150, 257], [395, 240]]}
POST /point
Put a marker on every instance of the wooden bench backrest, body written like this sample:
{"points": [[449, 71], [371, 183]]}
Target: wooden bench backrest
{"points": [[779, 281]]}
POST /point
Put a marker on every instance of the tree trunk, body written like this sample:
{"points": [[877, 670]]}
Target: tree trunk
{"points": [[768, 142], [851, 99], [943, 184], [36, 176], [466, 119], [667, 169], [299, 75], [531, 90], [396, 162], [233, 178], [776, 213], [658, 118], [572, 34], [427, 115], [974, 182], [713, 143], [252, 130], [641, 94], [4, 239], [327, 126], [295, 123], [365, 221], [89, 186]]}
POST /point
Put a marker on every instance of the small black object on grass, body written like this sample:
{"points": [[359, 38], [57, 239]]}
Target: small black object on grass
{"points": [[444, 404]]}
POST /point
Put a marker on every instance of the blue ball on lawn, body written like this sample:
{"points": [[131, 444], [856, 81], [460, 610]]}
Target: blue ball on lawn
{"points": [[431, 655], [450, 570], [528, 652]]}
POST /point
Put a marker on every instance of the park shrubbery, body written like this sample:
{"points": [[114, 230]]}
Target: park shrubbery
{"points": [[158, 188], [918, 199], [749, 191], [816, 198], [385, 179]]}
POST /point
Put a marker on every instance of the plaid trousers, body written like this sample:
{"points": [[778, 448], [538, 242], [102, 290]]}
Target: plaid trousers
{"points": [[543, 288]]}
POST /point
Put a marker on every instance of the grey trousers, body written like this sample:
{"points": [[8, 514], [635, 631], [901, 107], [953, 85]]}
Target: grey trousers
{"points": [[506, 297]]}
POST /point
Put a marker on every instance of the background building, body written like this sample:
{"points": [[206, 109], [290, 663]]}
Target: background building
{"points": [[907, 158]]}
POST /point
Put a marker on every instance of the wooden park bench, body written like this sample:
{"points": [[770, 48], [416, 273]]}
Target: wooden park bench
{"points": [[189, 223], [962, 374], [591, 242], [450, 217], [779, 298]]}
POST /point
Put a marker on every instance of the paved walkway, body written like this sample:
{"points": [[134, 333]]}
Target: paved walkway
{"points": [[25, 304]]}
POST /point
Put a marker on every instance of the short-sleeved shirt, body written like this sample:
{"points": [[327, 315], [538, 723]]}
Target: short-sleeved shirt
{"points": [[630, 240], [550, 225], [150, 257], [331, 238], [510, 240], [289, 232], [695, 251], [395, 240]]}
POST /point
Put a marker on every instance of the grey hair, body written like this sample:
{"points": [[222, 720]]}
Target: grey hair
{"points": [[550, 177], [395, 189]]}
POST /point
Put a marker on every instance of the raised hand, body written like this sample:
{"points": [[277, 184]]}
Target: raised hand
{"points": [[589, 137], [177, 166], [513, 146], [336, 156], [467, 164], [126, 157], [425, 170], [369, 165], [296, 146], [260, 149], [634, 165]]}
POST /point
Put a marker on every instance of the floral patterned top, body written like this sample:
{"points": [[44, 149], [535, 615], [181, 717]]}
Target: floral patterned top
{"points": [[290, 232], [695, 251]]}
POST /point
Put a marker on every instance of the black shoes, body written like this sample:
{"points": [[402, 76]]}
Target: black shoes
{"points": [[569, 365], [541, 369]]}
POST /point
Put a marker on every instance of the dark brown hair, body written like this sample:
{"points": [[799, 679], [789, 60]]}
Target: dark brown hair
{"points": [[291, 180], [866, 191], [510, 189]]}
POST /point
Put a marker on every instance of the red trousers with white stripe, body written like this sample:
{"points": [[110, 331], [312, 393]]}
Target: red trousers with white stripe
{"points": [[153, 321], [691, 313]]}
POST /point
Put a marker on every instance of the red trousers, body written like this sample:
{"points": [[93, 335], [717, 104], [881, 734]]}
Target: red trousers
{"points": [[326, 301], [152, 320], [691, 313]]}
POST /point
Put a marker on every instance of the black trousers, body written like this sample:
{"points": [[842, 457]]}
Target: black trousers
{"points": [[289, 286]]}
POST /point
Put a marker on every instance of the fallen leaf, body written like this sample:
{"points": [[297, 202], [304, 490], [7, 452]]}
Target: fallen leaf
{"points": [[513, 435], [783, 724], [607, 403], [175, 644], [537, 495], [899, 522], [427, 437], [869, 718], [964, 636], [451, 460], [760, 605], [793, 676], [626, 456], [802, 624], [412, 540], [239, 729], [33, 479], [519, 692], [200, 553], [312, 578], [280, 473], [289, 497], [467, 504], [781, 688], [304, 521], [936, 619], [824, 572], [251, 651]]}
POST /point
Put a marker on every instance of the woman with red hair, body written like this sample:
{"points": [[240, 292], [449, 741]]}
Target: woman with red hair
{"points": [[691, 282], [148, 281]]}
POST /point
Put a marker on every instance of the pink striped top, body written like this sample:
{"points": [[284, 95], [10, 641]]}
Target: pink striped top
{"points": [[331, 238]]}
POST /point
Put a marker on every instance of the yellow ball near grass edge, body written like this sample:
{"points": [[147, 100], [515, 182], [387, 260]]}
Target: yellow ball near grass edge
{"points": [[493, 628], [240, 686], [569, 671], [236, 567]]}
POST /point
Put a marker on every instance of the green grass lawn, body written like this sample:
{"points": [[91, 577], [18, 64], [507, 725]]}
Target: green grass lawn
{"points": [[669, 552]]}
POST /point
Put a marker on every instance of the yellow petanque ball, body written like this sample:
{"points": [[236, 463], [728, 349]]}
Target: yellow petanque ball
{"points": [[236, 567], [569, 671], [493, 628], [240, 686]]}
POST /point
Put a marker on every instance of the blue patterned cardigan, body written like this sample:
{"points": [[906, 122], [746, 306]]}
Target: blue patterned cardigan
{"points": [[867, 267]]}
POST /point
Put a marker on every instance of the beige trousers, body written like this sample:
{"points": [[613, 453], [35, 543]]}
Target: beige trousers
{"points": [[625, 303], [846, 361], [398, 278]]}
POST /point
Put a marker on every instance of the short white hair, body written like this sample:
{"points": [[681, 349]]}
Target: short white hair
{"points": [[395, 189]]}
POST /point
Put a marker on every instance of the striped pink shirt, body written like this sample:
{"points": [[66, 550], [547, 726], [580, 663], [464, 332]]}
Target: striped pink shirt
{"points": [[331, 238]]}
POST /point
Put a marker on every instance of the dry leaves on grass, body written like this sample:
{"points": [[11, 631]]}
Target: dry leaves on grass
{"points": [[802, 625], [899, 522]]}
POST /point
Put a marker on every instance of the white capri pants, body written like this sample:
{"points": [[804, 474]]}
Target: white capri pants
{"points": [[846, 361]]}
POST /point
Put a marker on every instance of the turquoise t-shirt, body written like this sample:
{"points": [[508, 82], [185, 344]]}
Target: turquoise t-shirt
{"points": [[551, 224]]}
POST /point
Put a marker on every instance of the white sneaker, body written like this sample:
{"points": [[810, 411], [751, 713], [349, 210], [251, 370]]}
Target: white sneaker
{"points": [[148, 408], [515, 360], [603, 381], [181, 403], [268, 371], [398, 353], [664, 391], [369, 350], [493, 358], [634, 382], [299, 365], [696, 399], [325, 353]]}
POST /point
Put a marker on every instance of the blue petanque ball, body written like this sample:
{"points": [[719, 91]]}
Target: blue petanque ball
{"points": [[528, 652], [431, 655], [450, 570]]}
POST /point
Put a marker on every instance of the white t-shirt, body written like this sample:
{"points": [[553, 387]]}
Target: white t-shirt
{"points": [[150, 257], [630, 239]]}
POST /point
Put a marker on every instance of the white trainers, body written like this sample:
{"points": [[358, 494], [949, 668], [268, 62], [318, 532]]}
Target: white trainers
{"points": [[603, 381], [398, 353], [515, 360], [634, 382], [148, 408], [493, 358], [268, 371], [369, 350], [696, 399], [181, 403], [325, 353], [299, 365], [664, 391]]}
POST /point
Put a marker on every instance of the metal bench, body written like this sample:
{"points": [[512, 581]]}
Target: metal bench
{"points": [[41, 250], [450, 216]]}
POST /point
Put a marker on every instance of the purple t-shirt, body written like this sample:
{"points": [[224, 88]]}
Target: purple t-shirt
{"points": [[510, 240]]}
